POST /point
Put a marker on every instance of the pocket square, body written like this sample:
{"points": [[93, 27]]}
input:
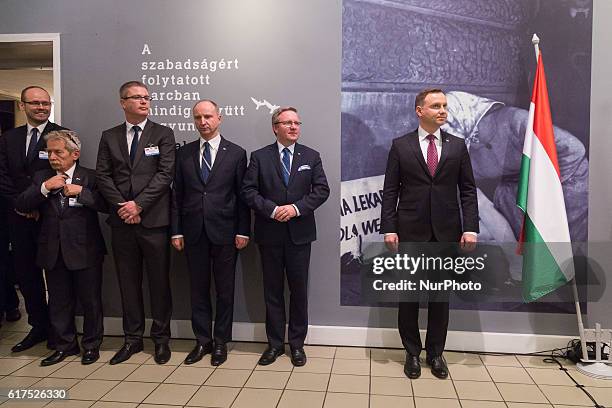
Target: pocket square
{"points": [[304, 167]]}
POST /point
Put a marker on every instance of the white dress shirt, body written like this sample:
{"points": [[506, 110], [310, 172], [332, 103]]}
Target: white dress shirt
{"points": [[41, 129], [129, 132], [280, 154], [214, 148]]}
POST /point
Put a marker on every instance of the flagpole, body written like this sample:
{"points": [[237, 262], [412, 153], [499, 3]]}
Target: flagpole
{"points": [[535, 40]]}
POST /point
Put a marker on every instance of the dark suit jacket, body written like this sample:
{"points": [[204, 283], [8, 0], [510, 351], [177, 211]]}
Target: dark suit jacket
{"points": [[147, 181], [263, 189], [420, 207], [215, 205], [75, 231], [16, 170]]}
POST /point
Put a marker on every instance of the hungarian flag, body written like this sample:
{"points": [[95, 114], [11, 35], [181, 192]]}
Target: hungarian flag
{"points": [[545, 239]]}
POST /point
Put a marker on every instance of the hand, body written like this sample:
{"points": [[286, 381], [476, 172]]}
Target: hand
{"points": [[132, 220], [129, 209], [178, 243], [32, 215], [241, 242], [284, 213], [392, 242], [72, 190], [468, 242], [55, 182]]}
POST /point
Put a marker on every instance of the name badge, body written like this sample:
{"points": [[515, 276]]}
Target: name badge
{"points": [[43, 155], [152, 151], [72, 202]]}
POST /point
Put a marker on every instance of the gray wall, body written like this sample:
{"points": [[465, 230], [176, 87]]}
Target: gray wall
{"points": [[289, 53]]}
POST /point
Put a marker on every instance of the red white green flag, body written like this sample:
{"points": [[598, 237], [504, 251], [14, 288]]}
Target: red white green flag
{"points": [[545, 239]]}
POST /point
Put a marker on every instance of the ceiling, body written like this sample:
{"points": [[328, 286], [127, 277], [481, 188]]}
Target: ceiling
{"points": [[23, 64]]}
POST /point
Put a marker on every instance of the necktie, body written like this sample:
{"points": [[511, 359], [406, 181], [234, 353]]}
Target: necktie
{"points": [[286, 165], [32, 144], [134, 145], [62, 199], [206, 162], [432, 155]]}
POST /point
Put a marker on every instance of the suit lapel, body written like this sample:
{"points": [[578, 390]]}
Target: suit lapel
{"points": [[275, 157], [415, 146], [221, 153], [122, 141], [445, 150], [143, 140], [296, 161], [22, 146], [195, 155]]}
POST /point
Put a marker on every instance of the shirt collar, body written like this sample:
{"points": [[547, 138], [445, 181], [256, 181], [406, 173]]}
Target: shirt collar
{"points": [[141, 125], [41, 128], [281, 147], [423, 134], [70, 171], [214, 142]]}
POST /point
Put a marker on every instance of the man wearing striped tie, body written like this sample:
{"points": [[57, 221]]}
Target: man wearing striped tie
{"points": [[284, 184]]}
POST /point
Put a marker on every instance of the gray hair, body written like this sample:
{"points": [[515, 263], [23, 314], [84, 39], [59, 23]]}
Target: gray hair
{"points": [[277, 112], [70, 139]]}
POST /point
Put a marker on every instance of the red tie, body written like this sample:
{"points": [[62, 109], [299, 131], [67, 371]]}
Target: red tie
{"points": [[432, 155]]}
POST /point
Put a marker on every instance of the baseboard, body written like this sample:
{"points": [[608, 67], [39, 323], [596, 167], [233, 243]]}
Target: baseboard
{"points": [[373, 337]]}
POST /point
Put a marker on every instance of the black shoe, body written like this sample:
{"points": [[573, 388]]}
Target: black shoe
{"points": [[13, 315], [162, 353], [438, 366], [125, 352], [412, 367], [90, 356], [29, 341], [269, 356], [298, 356], [199, 351], [58, 357], [219, 354]]}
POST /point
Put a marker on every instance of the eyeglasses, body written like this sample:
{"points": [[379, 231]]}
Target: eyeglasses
{"points": [[44, 104], [138, 98], [289, 123]]}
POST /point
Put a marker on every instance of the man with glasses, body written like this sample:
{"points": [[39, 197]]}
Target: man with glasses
{"points": [[284, 184], [135, 168], [22, 153]]}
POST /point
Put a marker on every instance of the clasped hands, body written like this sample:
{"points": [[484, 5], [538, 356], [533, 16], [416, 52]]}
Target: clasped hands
{"points": [[467, 242], [284, 213], [129, 212], [59, 181]]}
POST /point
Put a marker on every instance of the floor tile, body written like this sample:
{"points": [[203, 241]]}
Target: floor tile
{"points": [[34, 353], [387, 401], [388, 354], [301, 399], [352, 353], [482, 404], [521, 393], [257, 398], [477, 390], [62, 383], [113, 372], [454, 357], [504, 361], [591, 381], [436, 403], [17, 382], [282, 363], [353, 367], [357, 384], [528, 405], [391, 386], [545, 376], [433, 388], [69, 404], [241, 362], [316, 365], [388, 368], [320, 351], [516, 375], [91, 390], [130, 392], [171, 394], [468, 372], [228, 378], [567, 395], [538, 362], [342, 400], [308, 381], [268, 379], [34, 369], [151, 373], [216, 397], [189, 375], [76, 370], [107, 404], [247, 348], [25, 404]]}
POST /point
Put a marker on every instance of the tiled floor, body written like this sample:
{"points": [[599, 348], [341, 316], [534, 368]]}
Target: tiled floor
{"points": [[333, 377]]}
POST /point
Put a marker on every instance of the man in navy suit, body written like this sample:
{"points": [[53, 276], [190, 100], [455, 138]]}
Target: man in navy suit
{"points": [[22, 153], [425, 171], [284, 184], [211, 223]]}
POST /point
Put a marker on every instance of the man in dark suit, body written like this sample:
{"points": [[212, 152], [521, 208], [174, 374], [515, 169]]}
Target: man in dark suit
{"points": [[22, 153], [211, 222], [9, 302], [135, 168], [425, 170], [284, 184], [70, 245]]}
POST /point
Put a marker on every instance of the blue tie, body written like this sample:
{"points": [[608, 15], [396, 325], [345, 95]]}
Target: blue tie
{"points": [[32, 144], [286, 166], [206, 159], [134, 145]]}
